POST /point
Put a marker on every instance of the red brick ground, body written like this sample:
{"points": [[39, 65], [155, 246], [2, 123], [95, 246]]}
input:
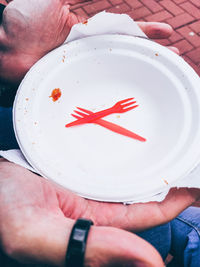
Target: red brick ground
{"points": [[182, 15]]}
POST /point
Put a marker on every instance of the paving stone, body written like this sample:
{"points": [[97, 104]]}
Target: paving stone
{"points": [[152, 5], [139, 13], [133, 3], [180, 20], [194, 55], [183, 46], [196, 2], [178, 1], [160, 16], [191, 9], [190, 35], [171, 7], [116, 2], [175, 37], [79, 11], [122, 8], [195, 26], [96, 7]]}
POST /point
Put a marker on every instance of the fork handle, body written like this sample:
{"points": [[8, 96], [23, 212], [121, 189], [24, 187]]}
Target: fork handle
{"points": [[92, 117], [118, 129]]}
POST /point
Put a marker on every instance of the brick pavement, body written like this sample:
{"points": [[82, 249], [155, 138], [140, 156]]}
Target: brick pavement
{"points": [[182, 15]]}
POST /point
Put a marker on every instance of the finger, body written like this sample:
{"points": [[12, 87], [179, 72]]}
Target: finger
{"points": [[174, 49], [142, 216], [108, 246], [151, 214], [156, 30], [135, 217], [74, 19]]}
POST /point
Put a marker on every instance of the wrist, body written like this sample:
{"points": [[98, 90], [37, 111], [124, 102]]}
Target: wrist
{"points": [[45, 240], [53, 250]]}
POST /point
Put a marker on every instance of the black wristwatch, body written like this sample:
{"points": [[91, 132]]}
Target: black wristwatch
{"points": [[77, 243]]}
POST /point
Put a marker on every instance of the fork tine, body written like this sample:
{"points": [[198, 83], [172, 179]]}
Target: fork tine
{"points": [[80, 113], [127, 109], [85, 110], [128, 104], [75, 116], [125, 100]]}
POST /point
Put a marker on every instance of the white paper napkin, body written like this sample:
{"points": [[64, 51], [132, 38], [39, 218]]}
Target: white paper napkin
{"points": [[108, 23]]}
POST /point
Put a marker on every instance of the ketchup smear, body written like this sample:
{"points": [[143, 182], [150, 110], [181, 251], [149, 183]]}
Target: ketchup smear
{"points": [[56, 94]]}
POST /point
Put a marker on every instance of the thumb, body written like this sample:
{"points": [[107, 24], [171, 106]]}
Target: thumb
{"points": [[108, 246], [73, 19]]}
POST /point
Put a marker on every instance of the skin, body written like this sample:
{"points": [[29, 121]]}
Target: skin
{"points": [[36, 215], [27, 33], [36, 220]]}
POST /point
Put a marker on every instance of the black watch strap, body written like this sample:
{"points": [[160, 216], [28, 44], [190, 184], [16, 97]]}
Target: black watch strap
{"points": [[77, 243]]}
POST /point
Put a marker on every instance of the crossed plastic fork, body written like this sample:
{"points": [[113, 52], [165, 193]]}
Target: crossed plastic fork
{"points": [[87, 116]]}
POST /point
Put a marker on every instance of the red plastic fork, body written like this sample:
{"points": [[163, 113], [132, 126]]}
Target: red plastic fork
{"points": [[120, 107], [112, 126]]}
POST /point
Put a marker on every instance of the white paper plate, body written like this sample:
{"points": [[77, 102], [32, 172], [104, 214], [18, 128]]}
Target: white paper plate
{"points": [[95, 73]]}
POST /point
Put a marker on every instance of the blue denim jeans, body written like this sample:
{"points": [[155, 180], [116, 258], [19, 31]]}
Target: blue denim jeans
{"points": [[180, 237], [185, 238], [7, 136]]}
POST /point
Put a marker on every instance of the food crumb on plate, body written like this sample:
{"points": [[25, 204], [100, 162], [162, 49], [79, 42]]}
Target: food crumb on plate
{"points": [[165, 181], [85, 22], [63, 58]]}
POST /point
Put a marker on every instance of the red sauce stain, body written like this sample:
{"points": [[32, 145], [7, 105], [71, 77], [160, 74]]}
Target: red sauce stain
{"points": [[56, 94], [85, 22]]}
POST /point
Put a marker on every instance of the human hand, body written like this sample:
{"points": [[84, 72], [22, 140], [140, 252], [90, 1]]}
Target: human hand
{"points": [[36, 217], [32, 28]]}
